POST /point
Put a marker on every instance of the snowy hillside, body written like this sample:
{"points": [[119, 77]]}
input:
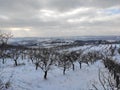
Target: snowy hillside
{"points": [[27, 78], [59, 65]]}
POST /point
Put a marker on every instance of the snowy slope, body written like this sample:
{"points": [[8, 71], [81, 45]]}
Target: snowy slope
{"points": [[27, 78]]}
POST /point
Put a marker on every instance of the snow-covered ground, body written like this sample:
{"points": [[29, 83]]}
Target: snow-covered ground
{"points": [[25, 77]]}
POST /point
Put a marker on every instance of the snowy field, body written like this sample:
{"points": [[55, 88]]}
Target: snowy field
{"points": [[26, 77]]}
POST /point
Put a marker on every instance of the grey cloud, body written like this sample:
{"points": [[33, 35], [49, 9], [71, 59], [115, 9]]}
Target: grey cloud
{"points": [[27, 13], [71, 4]]}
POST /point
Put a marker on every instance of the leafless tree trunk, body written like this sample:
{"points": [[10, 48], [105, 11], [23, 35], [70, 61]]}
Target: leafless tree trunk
{"points": [[45, 74]]}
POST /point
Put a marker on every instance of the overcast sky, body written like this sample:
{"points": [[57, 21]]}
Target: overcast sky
{"points": [[47, 18]]}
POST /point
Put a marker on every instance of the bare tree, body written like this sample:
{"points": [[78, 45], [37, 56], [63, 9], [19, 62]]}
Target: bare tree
{"points": [[30, 54], [15, 54], [106, 81], [73, 57], [64, 61], [83, 58], [112, 50], [4, 37], [44, 58], [4, 53]]}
